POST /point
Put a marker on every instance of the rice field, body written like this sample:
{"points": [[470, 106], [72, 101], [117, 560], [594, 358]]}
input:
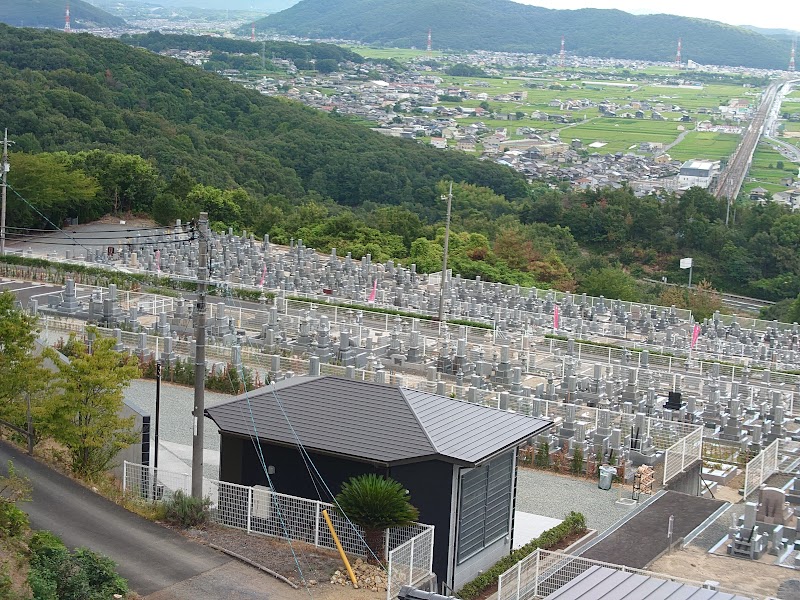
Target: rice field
{"points": [[705, 145], [765, 165]]}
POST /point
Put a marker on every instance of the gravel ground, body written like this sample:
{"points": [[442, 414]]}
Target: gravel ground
{"points": [[552, 495]]}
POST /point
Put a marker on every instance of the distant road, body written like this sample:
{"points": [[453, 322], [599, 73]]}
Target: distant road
{"points": [[732, 301]]}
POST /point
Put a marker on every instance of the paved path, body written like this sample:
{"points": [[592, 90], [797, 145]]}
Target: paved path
{"points": [[643, 538], [151, 557]]}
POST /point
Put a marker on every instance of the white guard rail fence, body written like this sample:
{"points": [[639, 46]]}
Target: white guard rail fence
{"points": [[543, 572], [256, 509], [761, 468], [682, 454]]}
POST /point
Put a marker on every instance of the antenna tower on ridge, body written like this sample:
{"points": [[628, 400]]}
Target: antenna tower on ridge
{"points": [[253, 33], [67, 27], [791, 56], [678, 62], [562, 54], [429, 42]]}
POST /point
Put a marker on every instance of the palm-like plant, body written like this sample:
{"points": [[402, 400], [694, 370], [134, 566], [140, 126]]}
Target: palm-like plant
{"points": [[376, 503]]}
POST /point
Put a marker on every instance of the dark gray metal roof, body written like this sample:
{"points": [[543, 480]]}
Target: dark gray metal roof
{"points": [[604, 583], [373, 422]]}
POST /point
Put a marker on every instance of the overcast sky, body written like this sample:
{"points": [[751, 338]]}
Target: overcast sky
{"points": [[778, 14]]}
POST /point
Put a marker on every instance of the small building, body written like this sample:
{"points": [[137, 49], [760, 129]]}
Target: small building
{"points": [[458, 460], [697, 173]]}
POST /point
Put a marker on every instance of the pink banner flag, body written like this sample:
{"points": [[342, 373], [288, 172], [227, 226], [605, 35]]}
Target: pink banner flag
{"points": [[374, 291], [555, 317], [158, 261], [263, 276], [695, 335]]}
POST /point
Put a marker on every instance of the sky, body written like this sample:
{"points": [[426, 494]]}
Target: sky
{"points": [[777, 14]]}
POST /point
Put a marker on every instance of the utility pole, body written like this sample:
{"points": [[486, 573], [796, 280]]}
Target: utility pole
{"points": [[5, 167], [158, 412], [200, 359], [449, 198]]}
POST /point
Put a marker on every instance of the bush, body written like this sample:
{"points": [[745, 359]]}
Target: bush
{"points": [[574, 523], [577, 462], [542, 459], [13, 521], [186, 511]]}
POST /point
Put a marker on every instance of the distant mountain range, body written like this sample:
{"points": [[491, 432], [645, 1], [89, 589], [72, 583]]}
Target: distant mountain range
{"points": [[264, 6], [508, 26], [51, 13]]}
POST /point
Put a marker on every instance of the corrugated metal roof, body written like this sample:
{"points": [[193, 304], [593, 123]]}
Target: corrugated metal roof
{"points": [[604, 583], [373, 422], [468, 432]]}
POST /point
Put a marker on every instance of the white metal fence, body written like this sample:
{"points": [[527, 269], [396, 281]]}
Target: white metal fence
{"points": [[543, 572], [682, 454], [256, 509], [760, 468], [410, 562]]}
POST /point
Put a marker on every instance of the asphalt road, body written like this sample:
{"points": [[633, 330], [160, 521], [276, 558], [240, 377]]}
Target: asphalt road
{"points": [[151, 557]]}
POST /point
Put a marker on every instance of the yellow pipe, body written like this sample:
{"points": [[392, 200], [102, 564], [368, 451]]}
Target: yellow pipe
{"points": [[339, 548]]}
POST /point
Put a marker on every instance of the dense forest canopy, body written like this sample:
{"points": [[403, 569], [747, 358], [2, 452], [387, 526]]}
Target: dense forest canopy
{"points": [[509, 26], [157, 42], [102, 127], [51, 13]]}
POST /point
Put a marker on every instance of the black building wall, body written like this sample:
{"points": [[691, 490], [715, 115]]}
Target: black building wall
{"points": [[430, 486], [429, 483]]}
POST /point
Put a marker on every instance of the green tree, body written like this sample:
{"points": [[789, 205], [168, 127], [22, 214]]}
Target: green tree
{"points": [[376, 503], [21, 371], [129, 182], [611, 283], [49, 183], [793, 314], [84, 414]]}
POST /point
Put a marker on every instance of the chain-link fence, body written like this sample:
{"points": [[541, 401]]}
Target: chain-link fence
{"points": [[543, 572]]}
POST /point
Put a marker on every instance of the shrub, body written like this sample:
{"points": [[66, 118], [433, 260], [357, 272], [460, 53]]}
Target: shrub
{"points": [[186, 511], [577, 461], [56, 574], [573, 523], [542, 459], [13, 521]]}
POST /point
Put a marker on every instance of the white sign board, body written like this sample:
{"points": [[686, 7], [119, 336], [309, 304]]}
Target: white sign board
{"points": [[686, 263]]}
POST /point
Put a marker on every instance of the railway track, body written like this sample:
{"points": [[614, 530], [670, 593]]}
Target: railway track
{"points": [[732, 177]]}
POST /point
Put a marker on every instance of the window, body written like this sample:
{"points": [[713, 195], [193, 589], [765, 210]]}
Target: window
{"points": [[485, 505]]}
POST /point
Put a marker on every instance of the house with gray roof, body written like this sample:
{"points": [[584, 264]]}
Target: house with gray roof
{"points": [[458, 460]]}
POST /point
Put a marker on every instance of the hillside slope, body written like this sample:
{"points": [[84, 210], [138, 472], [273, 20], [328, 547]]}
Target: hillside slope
{"points": [[508, 26], [50, 13], [78, 92]]}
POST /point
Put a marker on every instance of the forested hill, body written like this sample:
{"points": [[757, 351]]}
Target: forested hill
{"points": [[508, 26], [75, 92], [157, 42], [51, 13]]}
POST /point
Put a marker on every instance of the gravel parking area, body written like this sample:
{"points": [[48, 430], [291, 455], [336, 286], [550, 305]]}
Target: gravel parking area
{"points": [[551, 495]]}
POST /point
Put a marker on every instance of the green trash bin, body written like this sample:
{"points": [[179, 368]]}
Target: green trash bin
{"points": [[606, 477]]}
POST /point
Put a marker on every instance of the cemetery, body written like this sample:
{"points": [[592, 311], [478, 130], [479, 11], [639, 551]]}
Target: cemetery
{"points": [[645, 391]]}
